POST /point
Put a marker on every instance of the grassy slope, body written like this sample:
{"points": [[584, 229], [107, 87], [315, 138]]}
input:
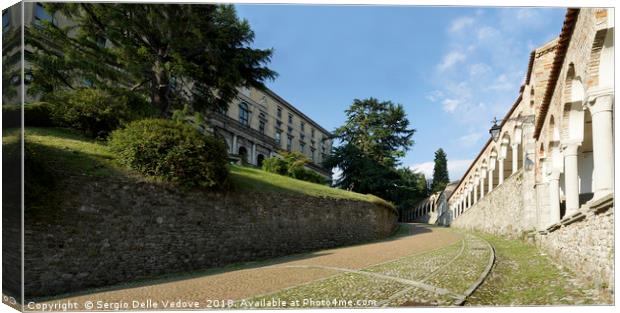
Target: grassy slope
{"points": [[522, 276], [66, 150]]}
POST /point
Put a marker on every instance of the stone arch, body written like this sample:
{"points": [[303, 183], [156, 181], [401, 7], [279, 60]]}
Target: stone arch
{"points": [[243, 153], [601, 63], [505, 153], [493, 167], [259, 160], [573, 110], [483, 178], [517, 136]]}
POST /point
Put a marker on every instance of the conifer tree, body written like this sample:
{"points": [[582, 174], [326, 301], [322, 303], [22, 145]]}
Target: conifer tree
{"points": [[440, 172]]}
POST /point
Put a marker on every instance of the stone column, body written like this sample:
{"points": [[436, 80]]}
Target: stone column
{"points": [[571, 178], [554, 197], [602, 144], [501, 171], [234, 145], [476, 192], [490, 180], [253, 161], [515, 158]]}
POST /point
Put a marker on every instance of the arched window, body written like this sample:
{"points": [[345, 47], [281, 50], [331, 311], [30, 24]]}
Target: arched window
{"points": [[244, 114]]}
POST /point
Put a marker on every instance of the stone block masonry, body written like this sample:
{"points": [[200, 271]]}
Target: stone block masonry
{"points": [[111, 232], [500, 212], [584, 242]]}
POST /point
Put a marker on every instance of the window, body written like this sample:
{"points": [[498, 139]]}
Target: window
{"points": [[302, 136], [290, 118], [278, 124], [313, 154], [6, 20], [302, 147], [289, 143], [278, 137], [312, 132], [244, 114], [290, 130], [303, 126], [262, 121], [279, 112], [40, 14]]}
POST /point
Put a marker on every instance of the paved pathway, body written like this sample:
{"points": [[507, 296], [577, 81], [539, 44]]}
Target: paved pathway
{"points": [[426, 265]]}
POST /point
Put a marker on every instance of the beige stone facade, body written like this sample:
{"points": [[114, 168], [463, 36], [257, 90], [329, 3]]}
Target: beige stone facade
{"points": [[259, 123]]}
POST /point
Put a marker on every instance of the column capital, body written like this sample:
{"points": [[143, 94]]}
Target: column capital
{"points": [[570, 148], [600, 100]]}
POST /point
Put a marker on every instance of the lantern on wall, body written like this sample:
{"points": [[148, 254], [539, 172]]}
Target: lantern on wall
{"points": [[495, 129]]}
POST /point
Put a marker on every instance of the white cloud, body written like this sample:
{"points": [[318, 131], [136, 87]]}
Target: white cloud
{"points": [[470, 139], [450, 60], [456, 168], [479, 69], [450, 105], [461, 23], [527, 14], [487, 32], [435, 95], [502, 83]]}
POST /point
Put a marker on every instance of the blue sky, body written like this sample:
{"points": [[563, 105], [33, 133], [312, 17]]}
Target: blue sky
{"points": [[453, 69]]}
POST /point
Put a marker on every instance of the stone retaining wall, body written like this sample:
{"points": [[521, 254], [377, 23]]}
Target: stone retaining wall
{"points": [[111, 232], [500, 212], [584, 243]]}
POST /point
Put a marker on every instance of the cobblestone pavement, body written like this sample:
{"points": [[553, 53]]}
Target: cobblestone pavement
{"points": [[440, 277], [371, 273]]}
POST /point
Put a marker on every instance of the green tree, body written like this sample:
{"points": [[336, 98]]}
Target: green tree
{"points": [[374, 137], [408, 190], [440, 172], [172, 54], [378, 129]]}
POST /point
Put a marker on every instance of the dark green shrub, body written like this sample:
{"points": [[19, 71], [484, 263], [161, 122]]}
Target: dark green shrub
{"points": [[173, 151], [275, 165], [93, 111], [303, 173], [292, 164], [36, 114]]}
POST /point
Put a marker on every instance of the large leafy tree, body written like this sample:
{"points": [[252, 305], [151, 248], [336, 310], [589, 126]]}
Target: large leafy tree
{"points": [[440, 171], [172, 54], [374, 137]]}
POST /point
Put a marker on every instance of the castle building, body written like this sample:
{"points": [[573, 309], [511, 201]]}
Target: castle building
{"points": [[258, 123]]}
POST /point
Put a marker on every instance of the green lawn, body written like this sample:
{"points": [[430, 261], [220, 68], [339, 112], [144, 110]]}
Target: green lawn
{"points": [[67, 150], [523, 276], [256, 179]]}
